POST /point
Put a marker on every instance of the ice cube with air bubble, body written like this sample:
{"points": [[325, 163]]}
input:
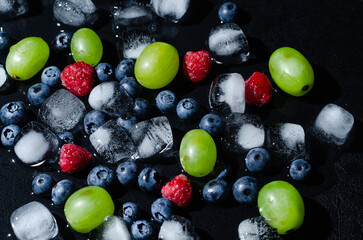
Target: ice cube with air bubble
{"points": [[133, 42], [256, 229], [13, 8], [170, 9], [33, 221], [177, 228], [112, 228]]}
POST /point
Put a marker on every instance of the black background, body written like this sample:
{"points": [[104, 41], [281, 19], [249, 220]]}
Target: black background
{"points": [[328, 33]]}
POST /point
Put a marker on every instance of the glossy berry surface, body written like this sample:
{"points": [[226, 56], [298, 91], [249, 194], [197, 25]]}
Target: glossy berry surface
{"points": [[61, 191], [179, 191], [73, 158], [101, 176], [258, 89], [245, 190], [104, 72], [4, 40], [161, 209], [196, 65], [149, 180], [130, 211], [42, 184], [142, 230], [166, 101], [62, 41], [125, 69], [126, 121], [131, 86], [93, 120], [186, 108], [257, 159], [216, 190], [300, 169], [212, 124], [142, 109], [8, 135], [227, 12], [38, 93], [13, 113], [66, 137], [127, 173], [51, 76]]}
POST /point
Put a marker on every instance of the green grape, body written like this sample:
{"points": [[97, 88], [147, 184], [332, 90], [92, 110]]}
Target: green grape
{"points": [[282, 205], [198, 153], [86, 46], [27, 58], [291, 71], [157, 65], [86, 208]]}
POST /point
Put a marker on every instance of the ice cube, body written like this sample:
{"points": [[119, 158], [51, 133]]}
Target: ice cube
{"points": [[112, 143], [5, 81], [13, 8], [256, 229], [333, 124], [62, 111], [108, 97], [75, 13], [33, 221], [112, 228], [152, 136], [287, 141], [170, 9], [227, 93], [134, 42], [177, 228], [228, 44], [243, 132], [35, 144]]}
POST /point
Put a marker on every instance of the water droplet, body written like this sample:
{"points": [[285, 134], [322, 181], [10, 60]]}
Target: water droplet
{"points": [[9, 235], [13, 160]]}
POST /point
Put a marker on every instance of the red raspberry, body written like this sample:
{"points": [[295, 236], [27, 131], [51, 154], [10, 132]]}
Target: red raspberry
{"points": [[196, 65], [258, 89], [78, 78], [73, 158], [178, 191]]}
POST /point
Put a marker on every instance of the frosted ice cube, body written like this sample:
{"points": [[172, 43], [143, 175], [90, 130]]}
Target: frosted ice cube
{"points": [[33, 221], [134, 42], [75, 13], [177, 228], [243, 132], [108, 97], [152, 136], [5, 81], [256, 229], [170, 9], [112, 228], [227, 93], [228, 44], [62, 111], [35, 144], [334, 124], [13, 8], [113, 143]]}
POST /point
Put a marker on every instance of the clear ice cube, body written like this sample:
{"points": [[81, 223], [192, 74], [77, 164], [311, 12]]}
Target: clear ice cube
{"points": [[13, 8], [75, 13], [36, 144], [227, 93], [108, 97], [152, 136], [177, 228], [5, 81], [170, 9], [62, 111], [228, 44], [133, 42], [112, 143], [33, 221], [256, 229], [243, 132], [112, 228]]}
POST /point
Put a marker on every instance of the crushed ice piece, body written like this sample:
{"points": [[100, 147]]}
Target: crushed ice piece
{"points": [[256, 229], [170, 9], [133, 42], [177, 228], [112, 228]]}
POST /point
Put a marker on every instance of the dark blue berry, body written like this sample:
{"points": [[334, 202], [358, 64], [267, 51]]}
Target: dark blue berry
{"points": [[126, 121], [166, 101], [300, 169], [149, 180], [212, 124], [227, 12], [257, 159], [130, 212], [105, 72], [131, 86], [62, 41], [8, 135], [93, 120], [38, 93], [142, 230], [142, 108], [161, 209], [101, 176], [186, 108], [126, 173], [51, 76], [225, 174], [125, 69], [66, 137], [13, 113], [245, 190], [61, 191], [4, 40], [42, 184], [216, 190]]}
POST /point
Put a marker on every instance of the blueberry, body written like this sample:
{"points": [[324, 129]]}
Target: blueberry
{"points": [[51, 76], [142, 108], [149, 180], [216, 190], [124, 69], [142, 230], [212, 124], [93, 120], [227, 12], [166, 101], [101, 176], [13, 113], [186, 108], [161, 209], [130, 212], [126, 173], [66, 137], [8, 135], [257, 159], [105, 72], [131, 86], [4, 40], [61, 191], [62, 41], [245, 190], [126, 121], [38, 93], [300, 169], [225, 174], [42, 184]]}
